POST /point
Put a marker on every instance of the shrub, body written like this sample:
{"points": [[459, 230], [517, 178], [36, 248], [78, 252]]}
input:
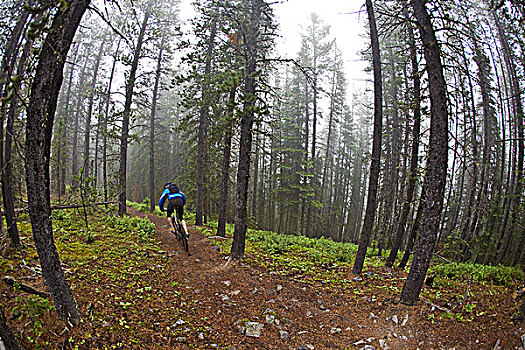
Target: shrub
{"points": [[142, 206], [141, 227], [320, 249], [500, 275]]}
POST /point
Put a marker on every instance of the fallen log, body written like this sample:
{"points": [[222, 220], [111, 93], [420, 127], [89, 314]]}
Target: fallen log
{"points": [[10, 281], [75, 206], [219, 237]]}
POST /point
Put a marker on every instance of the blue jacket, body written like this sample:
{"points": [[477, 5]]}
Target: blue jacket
{"points": [[167, 195]]}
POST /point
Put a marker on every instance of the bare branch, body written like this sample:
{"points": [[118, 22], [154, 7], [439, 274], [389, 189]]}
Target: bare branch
{"points": [[115, 30]]}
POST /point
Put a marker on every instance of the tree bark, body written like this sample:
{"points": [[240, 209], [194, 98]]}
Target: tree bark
{"points": [[376, 145], [311, 210], [391, 172], [473, 171], [255, 179], [203, 127], [273, 182], [6, 336], [106, 121], [243, 171], [40, 116], [7, 65], [87, 129], [7, 189], [357, 196], [411, 240], [517, 172], [412, 173], [62, 132], [6, 176], [327, 159], [225, 186], [437, 157], [76, 126], [304, 219], [484, 68], [152, 129], [130, 85]]}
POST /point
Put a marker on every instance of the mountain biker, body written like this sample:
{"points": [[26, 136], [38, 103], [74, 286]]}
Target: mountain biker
{"points": [[176, 201]]}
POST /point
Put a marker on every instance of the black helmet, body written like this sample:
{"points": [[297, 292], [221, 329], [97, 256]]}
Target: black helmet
{"points": [[167, 184]]}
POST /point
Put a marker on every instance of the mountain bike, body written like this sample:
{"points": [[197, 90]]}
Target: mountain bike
{"points": [[179, 231]]}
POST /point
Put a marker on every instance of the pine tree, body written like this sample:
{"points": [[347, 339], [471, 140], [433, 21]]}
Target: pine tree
{"points": [[376, 150], [40, 115], [435, 178]]}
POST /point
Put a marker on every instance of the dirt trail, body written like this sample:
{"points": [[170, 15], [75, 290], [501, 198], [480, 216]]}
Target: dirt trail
{"points": [[230, 291], [225, 292]]}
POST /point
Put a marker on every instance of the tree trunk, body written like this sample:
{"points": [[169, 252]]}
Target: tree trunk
{"points": [[6, 336], [152, 129], [243, 171], [357, 193], [304, 219], [392, 172], [130, 85], [483, 63], [7, 65], [376, 145], [87, 129], [435, 177], [63, 130], [98, 134], [412, 173], [518, 118], [273, 183], [228, 135], [311, 210], [106, 120], [6, 173], [203, 127], [520, 246], [255, 178], [262, 189], [76, 126], [7, 189], [40, 115], [327, 160], [411, 240], [473, 185]]}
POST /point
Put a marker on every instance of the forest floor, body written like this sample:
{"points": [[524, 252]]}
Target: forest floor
{"points": [[200, 300]]}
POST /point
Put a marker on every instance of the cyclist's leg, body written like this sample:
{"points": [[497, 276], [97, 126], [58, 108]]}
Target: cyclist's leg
{"points": [[180, 216], [169, 212]]}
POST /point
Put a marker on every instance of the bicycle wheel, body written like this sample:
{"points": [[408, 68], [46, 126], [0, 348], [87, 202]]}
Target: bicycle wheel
{"points": [[181, 235], [176, 225]]}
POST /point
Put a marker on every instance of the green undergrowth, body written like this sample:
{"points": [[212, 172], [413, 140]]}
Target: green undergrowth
{"points": [[117, 272], [143, 207], [294, 255], [321, 262], [498, 275], [324, 263]]}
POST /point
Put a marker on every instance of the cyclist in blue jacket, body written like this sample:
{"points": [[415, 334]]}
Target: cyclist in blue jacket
{"points": [[176, 201]]}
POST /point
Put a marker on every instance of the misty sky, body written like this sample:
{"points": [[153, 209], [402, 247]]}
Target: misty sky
{"points": [[347, 25]]}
